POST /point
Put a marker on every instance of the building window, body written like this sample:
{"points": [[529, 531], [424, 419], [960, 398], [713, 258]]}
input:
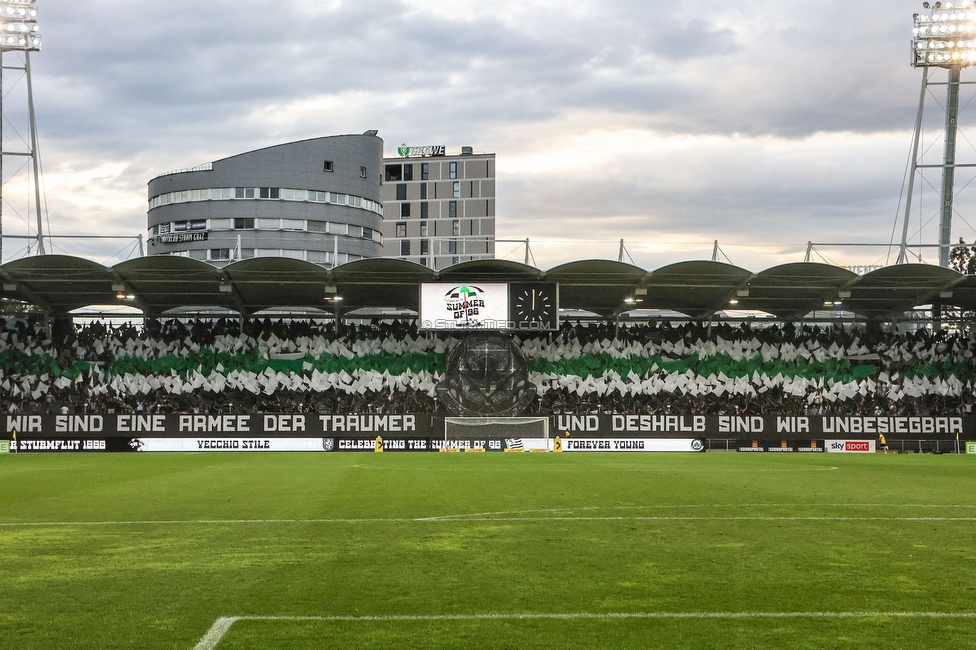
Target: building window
{"points": [[362, 172], [452, 246], [243, 192], [423, 261], [401, 229], [327, 166], [367, 233], [404, 210], [457, 190], [244, 224], [423, 228], [163, 228], [424, 171], [452, 209], [408, 172], [394, 173], [455, 260], [401, 192], [453, 172], [424, 210], [219, 254], [456, 228], [424, 246], [404, 247], [270, 193], [423, 191]]}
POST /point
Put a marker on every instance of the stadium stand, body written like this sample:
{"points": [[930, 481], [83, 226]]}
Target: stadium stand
{"points": [[264, 365]]}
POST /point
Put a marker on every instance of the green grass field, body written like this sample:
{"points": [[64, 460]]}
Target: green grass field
{"points": [[487, 551]]}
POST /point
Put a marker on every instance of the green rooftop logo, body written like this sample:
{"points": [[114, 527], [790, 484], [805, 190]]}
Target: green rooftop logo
{"points": [[403, 150]]}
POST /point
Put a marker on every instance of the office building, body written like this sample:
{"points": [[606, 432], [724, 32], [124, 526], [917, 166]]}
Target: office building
{"points": [[317, 200], [439, 209]]}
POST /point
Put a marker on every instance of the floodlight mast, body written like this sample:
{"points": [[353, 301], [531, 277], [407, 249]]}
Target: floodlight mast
{"points": [[945, 38], [19, 32]]}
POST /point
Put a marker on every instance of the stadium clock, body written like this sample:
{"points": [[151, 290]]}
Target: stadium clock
{"points": [[534, 305]]}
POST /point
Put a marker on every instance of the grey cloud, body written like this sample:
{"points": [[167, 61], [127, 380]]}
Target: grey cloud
{"points": [[176, 83], [226, 57]]}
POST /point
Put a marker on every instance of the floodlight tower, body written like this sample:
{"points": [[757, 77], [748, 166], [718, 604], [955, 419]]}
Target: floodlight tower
{"points": [[944, 37], [19, 32]]}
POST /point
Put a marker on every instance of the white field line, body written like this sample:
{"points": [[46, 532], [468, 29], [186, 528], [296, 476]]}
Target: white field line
{"points": [[222, 625], [514, 515], [467, 519], [511, 515], [697, 506]]}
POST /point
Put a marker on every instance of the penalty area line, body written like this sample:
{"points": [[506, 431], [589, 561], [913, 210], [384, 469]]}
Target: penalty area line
{"points": [[223, 624]]}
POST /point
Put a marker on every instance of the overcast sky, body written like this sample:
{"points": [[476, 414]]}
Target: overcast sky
{"points": [[667, 124]]}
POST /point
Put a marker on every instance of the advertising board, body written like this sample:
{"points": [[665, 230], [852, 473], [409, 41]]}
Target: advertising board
{"points": [[851, 446], [227, 444], [633, 444], [49, 445], [781, 446], [971, 447]]}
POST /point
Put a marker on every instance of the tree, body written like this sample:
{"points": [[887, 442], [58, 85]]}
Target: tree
{"points": [[962, 258]]}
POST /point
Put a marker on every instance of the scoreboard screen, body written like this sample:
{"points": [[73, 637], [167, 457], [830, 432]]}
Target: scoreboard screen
{"points": [[489, 306]]}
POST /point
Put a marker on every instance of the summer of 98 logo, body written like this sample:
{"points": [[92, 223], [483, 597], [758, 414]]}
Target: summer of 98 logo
{"points": [[464, 302]]}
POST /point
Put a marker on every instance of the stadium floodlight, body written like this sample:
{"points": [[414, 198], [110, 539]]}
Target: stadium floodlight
{"points": [[18, 26], [19, 32], [944, 37]]}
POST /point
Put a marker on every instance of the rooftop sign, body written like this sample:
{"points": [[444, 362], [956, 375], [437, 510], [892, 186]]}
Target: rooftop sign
{"points": [[427, 151]]}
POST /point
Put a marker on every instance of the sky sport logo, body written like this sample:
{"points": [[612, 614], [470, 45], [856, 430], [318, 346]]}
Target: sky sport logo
{"points": [[850, 446]]}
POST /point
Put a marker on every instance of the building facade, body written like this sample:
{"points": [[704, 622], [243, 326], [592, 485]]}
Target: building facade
{"points": [[317, 200], [439, 209]]}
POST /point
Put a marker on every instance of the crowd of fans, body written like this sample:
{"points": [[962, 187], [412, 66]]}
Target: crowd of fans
{"points": [[292, 366]]}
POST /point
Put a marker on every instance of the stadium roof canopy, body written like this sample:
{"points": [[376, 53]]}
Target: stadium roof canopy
{"points": [[699, 289]]}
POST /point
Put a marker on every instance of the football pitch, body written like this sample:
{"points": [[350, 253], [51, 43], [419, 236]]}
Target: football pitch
{"points": [[291, 550]]}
